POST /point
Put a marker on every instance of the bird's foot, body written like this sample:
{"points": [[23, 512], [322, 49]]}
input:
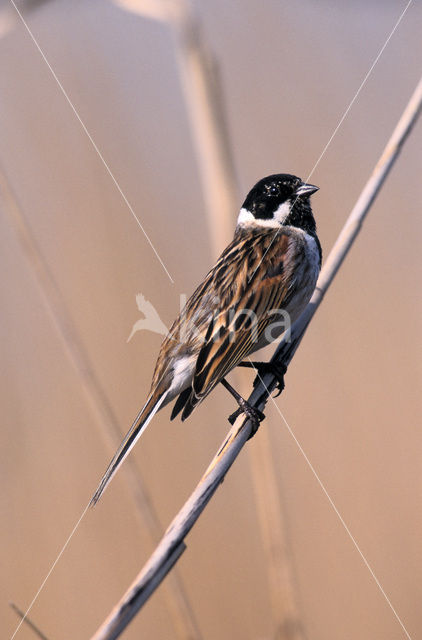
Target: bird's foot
{"points": [[255, 415], [275, 368]]}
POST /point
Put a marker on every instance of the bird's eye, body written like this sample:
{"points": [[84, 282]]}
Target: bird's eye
{"points": [[273, 190]]}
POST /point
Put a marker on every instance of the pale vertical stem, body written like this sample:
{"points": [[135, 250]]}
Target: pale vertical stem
{"points": [[182, 616], [287, 622], [202, 90]]}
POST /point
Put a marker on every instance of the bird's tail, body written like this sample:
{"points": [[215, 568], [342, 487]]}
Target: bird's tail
{"points": [[142, 420]]}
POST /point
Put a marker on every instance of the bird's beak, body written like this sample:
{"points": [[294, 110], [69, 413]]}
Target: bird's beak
{"points": [[306, 189]]}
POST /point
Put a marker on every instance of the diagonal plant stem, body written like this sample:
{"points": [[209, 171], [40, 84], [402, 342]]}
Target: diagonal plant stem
{"points": [[181, 613], [172, 544]]}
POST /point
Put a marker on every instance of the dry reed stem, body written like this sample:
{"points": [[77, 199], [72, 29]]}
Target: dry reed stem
{"points": [[172, 544], [287, 623], [202, 89], [203, 94]]}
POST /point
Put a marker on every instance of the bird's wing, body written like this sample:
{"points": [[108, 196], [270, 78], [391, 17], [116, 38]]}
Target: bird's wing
{"points": [[248, 296]]}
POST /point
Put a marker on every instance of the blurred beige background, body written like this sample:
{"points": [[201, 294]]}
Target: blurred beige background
{"points": [[288, 71]]}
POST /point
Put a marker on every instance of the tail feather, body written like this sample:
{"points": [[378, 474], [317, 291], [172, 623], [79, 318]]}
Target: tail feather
{"points": [[139, 425], [180, 402]]}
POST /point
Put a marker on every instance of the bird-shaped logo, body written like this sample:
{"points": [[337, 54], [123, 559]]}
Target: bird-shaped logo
{"points": [[151, 320]]}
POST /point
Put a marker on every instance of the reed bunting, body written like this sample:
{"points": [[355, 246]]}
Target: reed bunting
{"points": [[269, 270]]}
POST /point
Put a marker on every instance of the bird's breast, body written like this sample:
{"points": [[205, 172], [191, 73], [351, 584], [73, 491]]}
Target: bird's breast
{"points": [[305, 266]]}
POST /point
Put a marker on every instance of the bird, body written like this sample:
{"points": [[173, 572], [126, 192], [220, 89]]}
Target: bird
{"points": [[268, 270]]}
